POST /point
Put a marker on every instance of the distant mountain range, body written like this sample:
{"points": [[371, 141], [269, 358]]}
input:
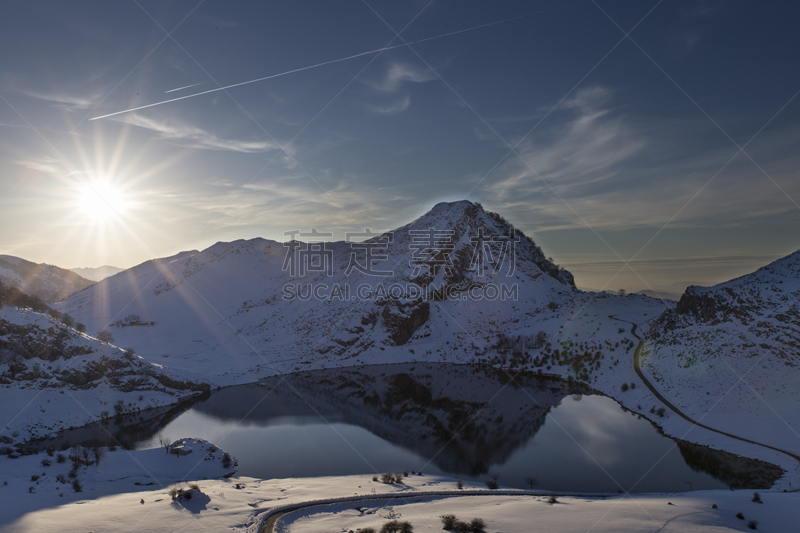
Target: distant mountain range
{"points": [[457, 285], [97, 273], [48, 282]]}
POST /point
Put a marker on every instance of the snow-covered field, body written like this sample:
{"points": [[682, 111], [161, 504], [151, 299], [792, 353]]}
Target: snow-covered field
{"points": [[113, 501], [37, 485]]}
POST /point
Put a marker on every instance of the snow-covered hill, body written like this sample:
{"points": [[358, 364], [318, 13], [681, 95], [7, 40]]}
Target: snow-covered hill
{"points": [[48, 282], [738, 345], [53, 377]]}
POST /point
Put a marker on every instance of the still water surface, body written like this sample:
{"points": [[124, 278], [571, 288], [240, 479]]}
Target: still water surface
{"points": [[466, 422]]}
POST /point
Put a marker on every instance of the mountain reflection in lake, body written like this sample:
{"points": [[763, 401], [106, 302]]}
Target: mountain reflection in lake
{"points": [[464, 421]]}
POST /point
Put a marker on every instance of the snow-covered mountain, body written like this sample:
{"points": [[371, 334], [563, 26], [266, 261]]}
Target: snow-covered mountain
{"points": [[455, 281], [458, 284], [48, 282], [97, 273], [739, 343]]}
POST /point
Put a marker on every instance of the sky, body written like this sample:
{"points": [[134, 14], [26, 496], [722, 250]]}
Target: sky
{"points": [[641, 143]]}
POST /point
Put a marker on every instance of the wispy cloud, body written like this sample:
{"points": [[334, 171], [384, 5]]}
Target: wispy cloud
{"points": [[50, 165], [397, 74], [196, 137], [392, 108], [582, 151], [391, 81], [64, 101], [288, 201], [619, 171]]}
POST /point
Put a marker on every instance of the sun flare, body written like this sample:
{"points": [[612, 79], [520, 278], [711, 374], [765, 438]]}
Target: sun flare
{"points": [[101, 200]]}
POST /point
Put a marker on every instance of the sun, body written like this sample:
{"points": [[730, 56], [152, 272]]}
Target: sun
{"points": [[101, 201]]}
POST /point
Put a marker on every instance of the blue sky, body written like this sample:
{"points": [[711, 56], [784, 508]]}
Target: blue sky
{"points": [[675, 146]]}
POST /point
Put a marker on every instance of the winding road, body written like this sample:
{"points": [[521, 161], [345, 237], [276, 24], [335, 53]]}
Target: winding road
{"points": [[677, 411], [271, 517]]}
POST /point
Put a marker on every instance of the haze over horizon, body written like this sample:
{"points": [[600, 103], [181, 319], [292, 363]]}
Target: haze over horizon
{"points": [[661, 133]]}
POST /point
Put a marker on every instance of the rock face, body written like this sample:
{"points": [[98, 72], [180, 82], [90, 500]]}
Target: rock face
{"points": [[701, 306], [50, 283], [403, 319]]}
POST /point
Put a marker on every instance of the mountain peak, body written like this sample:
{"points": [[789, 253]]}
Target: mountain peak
{"points": [[459, 205]]}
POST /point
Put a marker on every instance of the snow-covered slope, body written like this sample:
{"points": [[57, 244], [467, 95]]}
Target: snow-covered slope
{"points": [[731, 353], [48, 282], [36, 484], [97, 273], [52, 377]]}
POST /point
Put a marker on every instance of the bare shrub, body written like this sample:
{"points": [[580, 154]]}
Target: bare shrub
{"points": [[448, 521], [477, 525]]}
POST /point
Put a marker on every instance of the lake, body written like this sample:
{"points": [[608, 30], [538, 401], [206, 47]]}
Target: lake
{"points": [[470, 422]]}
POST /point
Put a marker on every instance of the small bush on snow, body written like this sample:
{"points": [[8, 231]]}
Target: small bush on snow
{"points": [[477, 525], [448, 521], [395, 526]]}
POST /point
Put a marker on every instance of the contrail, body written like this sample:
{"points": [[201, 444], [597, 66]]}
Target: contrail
{"points": [[180, 89], [332, 61]]}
